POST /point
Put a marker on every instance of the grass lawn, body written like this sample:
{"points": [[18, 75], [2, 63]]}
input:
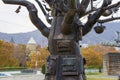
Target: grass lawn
{"points": [[101, 79], [99, 76], [11, 68]]}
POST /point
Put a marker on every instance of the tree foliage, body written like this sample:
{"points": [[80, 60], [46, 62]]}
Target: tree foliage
{"points": [[12, 55], [6, 55], [20, 54], [38, 58], [94, 55]]}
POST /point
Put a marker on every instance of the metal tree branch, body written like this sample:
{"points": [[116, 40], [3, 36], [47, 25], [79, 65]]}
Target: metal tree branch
{"points": [[85, 3], [41, 7], [93, 18], [32, 14], [44, 12], [113, 6], [108, 7], [108, 20], [83, 6], [69, 18]]}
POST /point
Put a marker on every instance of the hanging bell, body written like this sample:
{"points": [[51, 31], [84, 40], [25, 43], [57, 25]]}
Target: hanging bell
{"points": [[99, 29]]}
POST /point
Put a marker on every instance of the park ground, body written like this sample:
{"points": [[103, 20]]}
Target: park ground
{"points": [[90, 76], [100, 76]]}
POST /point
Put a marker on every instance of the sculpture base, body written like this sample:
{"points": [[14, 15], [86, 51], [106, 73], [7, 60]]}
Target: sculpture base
{"points": [[64, 67]]}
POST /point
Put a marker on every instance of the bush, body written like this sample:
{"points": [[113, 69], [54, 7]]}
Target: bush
{"points": [[43, 69]]}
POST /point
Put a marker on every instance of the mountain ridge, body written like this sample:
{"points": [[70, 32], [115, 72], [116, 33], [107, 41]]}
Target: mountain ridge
{"points": [[91, 38]]}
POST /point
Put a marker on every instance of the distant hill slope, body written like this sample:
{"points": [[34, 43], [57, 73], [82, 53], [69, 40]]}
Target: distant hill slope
{"points": [[92, 38], [108, 35], [22, 38]]}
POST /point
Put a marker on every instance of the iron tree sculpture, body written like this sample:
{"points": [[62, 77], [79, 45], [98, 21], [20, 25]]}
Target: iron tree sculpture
{"points": [[65, 61]]}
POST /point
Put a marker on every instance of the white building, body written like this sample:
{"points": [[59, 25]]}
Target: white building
{"points": [[31, 45]]}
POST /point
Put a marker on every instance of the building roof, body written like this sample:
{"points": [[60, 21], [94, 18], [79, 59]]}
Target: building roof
{"points": [[12, 40], [31, 41]]}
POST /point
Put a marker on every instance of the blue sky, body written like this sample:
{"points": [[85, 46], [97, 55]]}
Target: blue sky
{"points": [[10, 22]]}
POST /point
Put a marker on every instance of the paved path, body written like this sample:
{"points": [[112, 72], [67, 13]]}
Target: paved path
{"points": [[41, 77], [24, 77]]}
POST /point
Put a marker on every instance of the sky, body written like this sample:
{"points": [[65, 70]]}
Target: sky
{"points": [[11, 22]]}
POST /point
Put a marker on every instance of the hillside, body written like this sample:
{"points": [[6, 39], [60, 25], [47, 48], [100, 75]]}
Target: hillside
{"points": [[22, 38], [92, 38], [109, 34]]}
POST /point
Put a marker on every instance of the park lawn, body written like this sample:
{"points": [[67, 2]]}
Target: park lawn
{"points": [[98, 76], [101, 79], [11, 68]]}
